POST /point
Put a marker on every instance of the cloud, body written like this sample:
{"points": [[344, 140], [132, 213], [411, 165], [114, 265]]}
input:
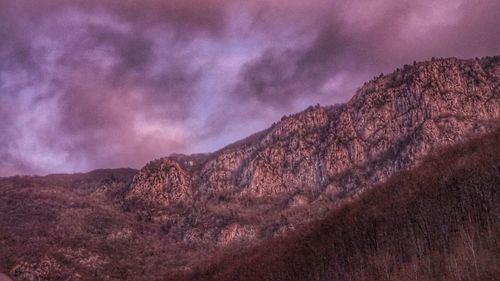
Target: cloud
{"points": [[79, 84], [184, 16], [358, 37], [87, 84], [279, 76]]}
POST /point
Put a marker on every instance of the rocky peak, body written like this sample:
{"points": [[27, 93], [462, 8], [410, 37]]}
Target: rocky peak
{"points": [[397, 119], [164, 182]]}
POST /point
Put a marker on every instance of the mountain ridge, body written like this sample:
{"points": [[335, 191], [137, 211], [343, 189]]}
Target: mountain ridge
{"points": [[327, 154], [438, 221]]}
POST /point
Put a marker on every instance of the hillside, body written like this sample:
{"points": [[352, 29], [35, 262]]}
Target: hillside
{"points": [[439, 221]]}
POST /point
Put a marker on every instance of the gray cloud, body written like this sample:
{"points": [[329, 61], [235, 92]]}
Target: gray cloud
{"points": [[360, 37], [88, 84]]}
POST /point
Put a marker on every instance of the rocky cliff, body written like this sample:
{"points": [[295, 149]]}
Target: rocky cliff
{"points": [[293, 171]]}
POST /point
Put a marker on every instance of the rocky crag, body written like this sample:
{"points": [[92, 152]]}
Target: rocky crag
{"points": [[304, 164]]}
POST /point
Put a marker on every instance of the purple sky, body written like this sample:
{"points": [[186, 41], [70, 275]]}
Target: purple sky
{"points": [[88, 84]]}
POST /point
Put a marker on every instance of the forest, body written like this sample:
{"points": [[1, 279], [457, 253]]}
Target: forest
{"points": [[439, 221]]}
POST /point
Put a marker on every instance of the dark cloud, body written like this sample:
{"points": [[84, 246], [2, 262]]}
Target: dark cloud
{"points": [[87, 84], [360, 37], [134, 50], [184, 16], [280, 75]]}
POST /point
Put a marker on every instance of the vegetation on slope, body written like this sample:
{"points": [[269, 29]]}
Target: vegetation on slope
{"points": [[72, 227], [440, 221]]}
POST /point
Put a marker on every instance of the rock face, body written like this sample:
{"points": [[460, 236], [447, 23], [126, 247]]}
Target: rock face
{"points": [[329, 153], [163, 183]]}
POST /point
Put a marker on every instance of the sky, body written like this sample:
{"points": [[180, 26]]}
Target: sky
{"points": [[87, 84]]}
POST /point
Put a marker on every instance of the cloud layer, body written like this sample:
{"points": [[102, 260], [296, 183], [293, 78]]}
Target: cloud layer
{"points": [[91, 84]]}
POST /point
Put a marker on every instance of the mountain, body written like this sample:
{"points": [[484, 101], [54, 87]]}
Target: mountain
{"points": [[180, 210], [439, 221], [295, 170]]}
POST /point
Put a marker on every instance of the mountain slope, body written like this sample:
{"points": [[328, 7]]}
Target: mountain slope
{"points": [[439, 221], [296, 169]]}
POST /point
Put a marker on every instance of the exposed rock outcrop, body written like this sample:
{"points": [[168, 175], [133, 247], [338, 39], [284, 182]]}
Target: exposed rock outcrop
{"points": [[163, 183], [328, 153]]}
